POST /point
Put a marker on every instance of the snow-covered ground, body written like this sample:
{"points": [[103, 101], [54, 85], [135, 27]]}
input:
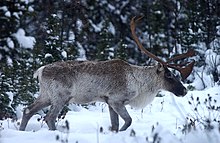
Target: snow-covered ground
{"points": [[162, 120]]}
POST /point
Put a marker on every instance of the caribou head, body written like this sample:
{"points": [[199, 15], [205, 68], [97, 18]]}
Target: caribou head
{"points": [[184, 68]]}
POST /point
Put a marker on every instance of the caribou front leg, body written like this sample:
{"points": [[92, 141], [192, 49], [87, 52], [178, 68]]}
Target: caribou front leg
{"points": [[120, 109], [54, 111], [114, 119]]}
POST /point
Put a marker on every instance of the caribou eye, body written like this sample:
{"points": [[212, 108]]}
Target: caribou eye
{"points": [[168, 75]]}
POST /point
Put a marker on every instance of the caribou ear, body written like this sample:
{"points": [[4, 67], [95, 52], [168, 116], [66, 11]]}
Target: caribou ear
{"points": [[160, 68]]}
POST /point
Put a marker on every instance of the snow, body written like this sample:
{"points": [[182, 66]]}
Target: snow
{"points": [[211, 58], [97, 27], [24, 41], [218, 68], [9, 61], [64, 54], [4, 8], [162, 121], [10, 95], [30, 9], [82, 52], [111, 28], [218, 30], [10, 43], [79, 24], [8, 14], [202, 81], [111, 7], [72, 36], [124, 19], [47, 55]]}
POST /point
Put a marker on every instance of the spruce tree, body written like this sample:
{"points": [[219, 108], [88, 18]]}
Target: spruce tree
{"points": [[14, 56]]}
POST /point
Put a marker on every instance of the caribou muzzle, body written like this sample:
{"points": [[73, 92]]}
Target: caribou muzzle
{"points": [[179, 91]]}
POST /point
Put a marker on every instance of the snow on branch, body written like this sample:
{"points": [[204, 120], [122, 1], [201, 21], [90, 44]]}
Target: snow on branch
{"points": [[24, 41]]}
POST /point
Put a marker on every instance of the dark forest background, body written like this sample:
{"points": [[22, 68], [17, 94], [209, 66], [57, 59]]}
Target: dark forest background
{"points": [[99, 30]]}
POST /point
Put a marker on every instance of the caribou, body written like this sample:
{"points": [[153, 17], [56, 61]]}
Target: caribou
{"points": [[115, 82]]}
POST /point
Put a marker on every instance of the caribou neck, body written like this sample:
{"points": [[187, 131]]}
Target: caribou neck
{"points": [[145, 76]]}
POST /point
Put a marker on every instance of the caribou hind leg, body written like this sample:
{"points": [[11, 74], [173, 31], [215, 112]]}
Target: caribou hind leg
{"points": [[39, 104]]}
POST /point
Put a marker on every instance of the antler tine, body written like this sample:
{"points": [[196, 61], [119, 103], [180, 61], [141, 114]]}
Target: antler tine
{"points": [[141, 47], [184, 71], [189, 53]]}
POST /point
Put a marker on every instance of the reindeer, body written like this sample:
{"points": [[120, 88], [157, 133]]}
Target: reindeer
{"points": [[114, 82]]}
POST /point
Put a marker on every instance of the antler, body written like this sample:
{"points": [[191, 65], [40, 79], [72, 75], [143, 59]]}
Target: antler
{"points": [[184, 69], [190, 53], [133, 26]]}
